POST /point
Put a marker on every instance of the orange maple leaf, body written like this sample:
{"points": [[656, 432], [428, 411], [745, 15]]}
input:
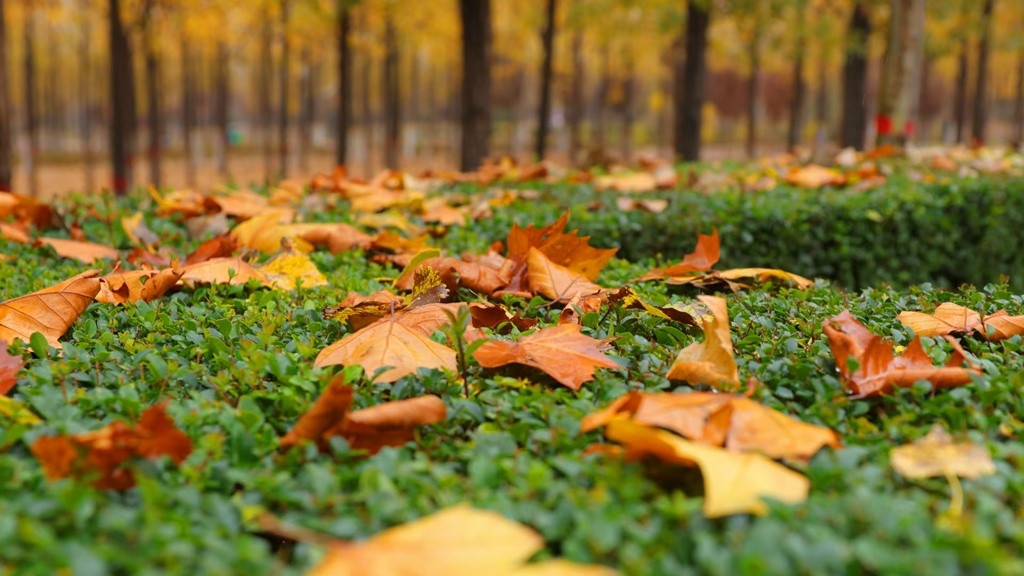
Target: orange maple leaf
{"points": [[50, 311], [562, 351]]}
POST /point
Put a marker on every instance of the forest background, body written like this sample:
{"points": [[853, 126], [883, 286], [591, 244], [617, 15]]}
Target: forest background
{"points": [[115, 93]]}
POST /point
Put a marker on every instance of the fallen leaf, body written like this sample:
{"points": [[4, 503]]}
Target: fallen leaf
{"points": [[627, 298], [50, 311], [732, 278], [401, 343], [102, 454], [567, 250], [10, 365], [221, 246], [562, 351], [703, 257], [937, 455], [222, 271], [360, 311], [457, 541], [952, 318], [185, 202], [814, 176], [734, 483], [556, 282], [654, 206], [119, 287], [85, 252], [388, 424], [497, 318], [455, 273], [290, 267], [266, 231], [868, 366], [710, 362], [335, 237], [14, 233], [138, 233], [731, 421]]}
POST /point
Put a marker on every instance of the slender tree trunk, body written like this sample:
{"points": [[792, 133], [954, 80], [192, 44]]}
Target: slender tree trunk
{"points": [[600, 130], [855, 75], [796, 105], [753, 81], [283, 84], [306, 109], [980, 117], [544, 113], [577, 104], [901, 79], [344, 102], [154, 127], [960, 91], [189, 114], [689, 86], [122, 135], [6, 149], [367, 106], [475, 16], [31, 103], [628, 93], [265, 99], [223, 119], [1018, 103], [392, 95], [85, 73]]}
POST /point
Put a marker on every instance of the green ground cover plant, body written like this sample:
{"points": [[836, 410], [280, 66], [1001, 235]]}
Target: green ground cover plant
{"points": [[235, 366]]}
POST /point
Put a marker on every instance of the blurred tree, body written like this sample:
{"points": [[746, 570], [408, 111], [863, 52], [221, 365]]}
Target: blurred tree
{"points": [[344, 94], [855, 76], [6, 151], [688, 98], [392, 94], [475, 16], [962, 71], [544, 110], [30, 79], [981, 104], [900, 93], [284, 82], [1018, 97], [122, 95], [796, 104], [154, 120]]}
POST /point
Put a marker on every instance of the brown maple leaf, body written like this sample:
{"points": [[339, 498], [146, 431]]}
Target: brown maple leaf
{"points": [[710, 362], [703, 257], [562, 351], [50, 311], [868, 366], [9, 367], [119, 287], [951, 318]]}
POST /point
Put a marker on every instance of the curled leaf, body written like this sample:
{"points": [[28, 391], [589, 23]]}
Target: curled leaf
{"points": [[50, 311], [710, 362]]}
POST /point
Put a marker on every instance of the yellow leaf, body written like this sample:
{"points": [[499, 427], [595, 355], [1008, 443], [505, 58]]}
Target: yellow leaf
{"points": [[937, 455], [16, 412], [733, 483], [710, 362], [289, 267], [556, 282]]}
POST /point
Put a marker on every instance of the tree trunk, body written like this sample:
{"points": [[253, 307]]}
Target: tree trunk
{"points": [[392, 98], [577, 104], [307, 103], [283, 83], [796, 105], [122, 91], [153, 119], [221, 113], [899, 96], [189, 114], [978, 123], [689, 86], [753, 81], [628, 92], [601, 102], [6, 150], [344, 101], [367, 106], [31, 103], [266, 116], [855, 76], [85, 79], [1018, 103], [475, 16], [544, 113]]}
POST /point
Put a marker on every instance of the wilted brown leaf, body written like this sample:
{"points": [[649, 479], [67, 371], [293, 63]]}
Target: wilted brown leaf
{"points": [[703, 257], [102, 455], [814, 176], [50, 311], [14, 233], [85, 252], [937, 455], [952, 318], [388, 424], [626, 297], [554, 281], [710, 362], [868, 366], [731, 421], [562, 351], [221, 246], [138, 233], [119, 287], [222, 271], [9, 367], [733, 483], [567, 250]]}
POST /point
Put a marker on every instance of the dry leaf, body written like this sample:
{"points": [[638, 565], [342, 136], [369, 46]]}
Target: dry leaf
{"points": [[105, 452], [222, 271], [567, 250], [289, 267], [627, 298], [562, 351], [732, 278], [388, 424], [401, 342], [10, 365], [556, 282], [951, 318], [50, 311], [937, 455], [814, 176], [703, 257], [132, 286], [86, 252], [457, 541], [710, 362], [138, 233], [733, 483], [221, 246], [878, 370], [731, 421]]}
